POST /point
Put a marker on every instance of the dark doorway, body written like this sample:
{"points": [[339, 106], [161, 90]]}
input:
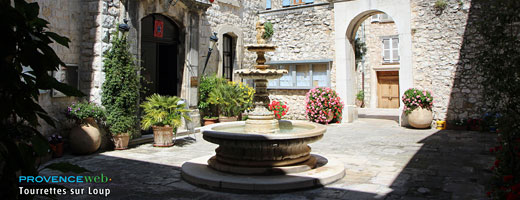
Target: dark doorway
{"points": [[160, 58]]}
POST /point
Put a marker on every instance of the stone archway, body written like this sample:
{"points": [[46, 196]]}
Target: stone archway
{"points": [[348, 16]]}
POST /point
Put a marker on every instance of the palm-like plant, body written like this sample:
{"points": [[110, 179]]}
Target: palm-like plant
{"points": [[231, 98], [163, 111]]}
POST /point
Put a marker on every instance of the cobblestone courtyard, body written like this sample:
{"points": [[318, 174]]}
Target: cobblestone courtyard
{"points": [[382, 161]]}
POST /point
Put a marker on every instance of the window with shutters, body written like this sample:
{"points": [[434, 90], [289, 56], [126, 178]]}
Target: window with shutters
{"points": [[302, 75], [390, 49], [381, 18]]}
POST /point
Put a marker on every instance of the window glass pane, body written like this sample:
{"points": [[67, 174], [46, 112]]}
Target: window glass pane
{"points": [[286, 80], [395, 54], [303, 75], [319, 75], [386, 55], [395, 43], [386, 44]]}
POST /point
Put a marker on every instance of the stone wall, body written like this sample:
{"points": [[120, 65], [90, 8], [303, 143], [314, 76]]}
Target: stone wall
{"points": [[372, 33], [438, 66], [277, 4], [63, 17], [304, 33], [237, 18]]}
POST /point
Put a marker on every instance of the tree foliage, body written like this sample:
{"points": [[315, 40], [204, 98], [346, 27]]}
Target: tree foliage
{"points": [[498, 61], [25, 65], [120, 95]]}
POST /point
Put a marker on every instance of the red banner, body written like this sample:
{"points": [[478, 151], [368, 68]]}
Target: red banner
{"points": [[158, 29]]}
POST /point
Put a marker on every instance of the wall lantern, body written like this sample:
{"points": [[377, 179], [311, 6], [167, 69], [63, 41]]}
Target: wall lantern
{"points": [[212, 41], [124, 27]]}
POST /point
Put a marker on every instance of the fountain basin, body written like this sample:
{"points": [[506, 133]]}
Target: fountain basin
{"points": [[288, 146]]}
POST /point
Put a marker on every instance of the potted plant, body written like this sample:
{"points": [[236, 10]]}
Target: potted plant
{"points": [[360, 96], [278, 108], [56, 144], [164, 114], [323, 105], [418, 107], [120, 91], [85, 138], [209, 111], [232, 99]]}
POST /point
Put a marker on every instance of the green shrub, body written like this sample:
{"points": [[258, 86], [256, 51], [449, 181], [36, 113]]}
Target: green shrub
{"points": [[162, 111], [360, 95], [268, 26], [232, 98], [80, 111], [441, 4], [208, 84], [121, 87]]}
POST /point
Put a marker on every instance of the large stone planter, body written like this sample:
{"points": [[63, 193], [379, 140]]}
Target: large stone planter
{"points": [[121, 141], [227, 119], [86, 138], [162, 136], [420, 118]]}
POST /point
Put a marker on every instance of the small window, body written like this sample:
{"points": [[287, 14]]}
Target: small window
{"points": [[67, 74], [390, 50], [229, 57], [381, 18], [302, 76]]}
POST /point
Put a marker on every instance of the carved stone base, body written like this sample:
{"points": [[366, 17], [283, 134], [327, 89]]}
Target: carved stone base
{"points": [[262, 125], [299, 167]]}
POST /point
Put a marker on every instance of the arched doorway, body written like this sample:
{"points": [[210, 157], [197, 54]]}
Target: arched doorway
{"points": [[349, 15], [160, 55]]}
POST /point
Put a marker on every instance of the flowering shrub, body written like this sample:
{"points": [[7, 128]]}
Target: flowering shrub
{"points": [[414, 98], [279, 109], [55, 139], [323, 105], [80, 111]]}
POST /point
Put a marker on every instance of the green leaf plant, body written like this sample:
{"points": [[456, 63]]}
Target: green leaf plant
{"points": [[163, 111], [25, 65]]}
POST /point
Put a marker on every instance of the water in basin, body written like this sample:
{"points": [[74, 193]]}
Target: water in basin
{"points": [[283, 129]]}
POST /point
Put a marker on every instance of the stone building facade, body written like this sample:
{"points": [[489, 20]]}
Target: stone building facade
{"points": [[314, 40], [374, 32]]}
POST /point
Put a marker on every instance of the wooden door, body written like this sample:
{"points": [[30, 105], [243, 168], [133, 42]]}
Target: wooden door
{"points": [[388, 89]]}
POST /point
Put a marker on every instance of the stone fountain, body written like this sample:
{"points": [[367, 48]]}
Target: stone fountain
{"points": [[262, 154]]}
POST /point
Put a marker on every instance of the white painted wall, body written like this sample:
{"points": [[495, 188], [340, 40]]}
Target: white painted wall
{"points": [[347, 17]]}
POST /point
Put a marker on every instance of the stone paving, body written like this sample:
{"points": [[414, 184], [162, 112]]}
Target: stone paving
{"points": [[382, 161]]}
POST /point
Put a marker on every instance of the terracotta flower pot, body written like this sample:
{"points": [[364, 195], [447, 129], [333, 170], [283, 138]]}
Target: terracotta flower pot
{"points": [[86, 138], [162, 136], [420, 118], [227, 119], [121, 141], [210, 121], [57, 150]]}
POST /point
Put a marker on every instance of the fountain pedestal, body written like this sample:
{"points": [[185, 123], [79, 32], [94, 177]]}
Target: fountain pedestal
{"points": [[262, 145]]}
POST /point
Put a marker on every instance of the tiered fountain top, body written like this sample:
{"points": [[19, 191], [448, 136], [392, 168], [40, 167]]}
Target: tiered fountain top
{"points": [[260, 70]]}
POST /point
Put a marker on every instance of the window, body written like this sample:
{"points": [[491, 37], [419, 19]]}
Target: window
{"points": [[390, 49], [381, 18], [286, 3], [303, 75], [228, 60]]}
